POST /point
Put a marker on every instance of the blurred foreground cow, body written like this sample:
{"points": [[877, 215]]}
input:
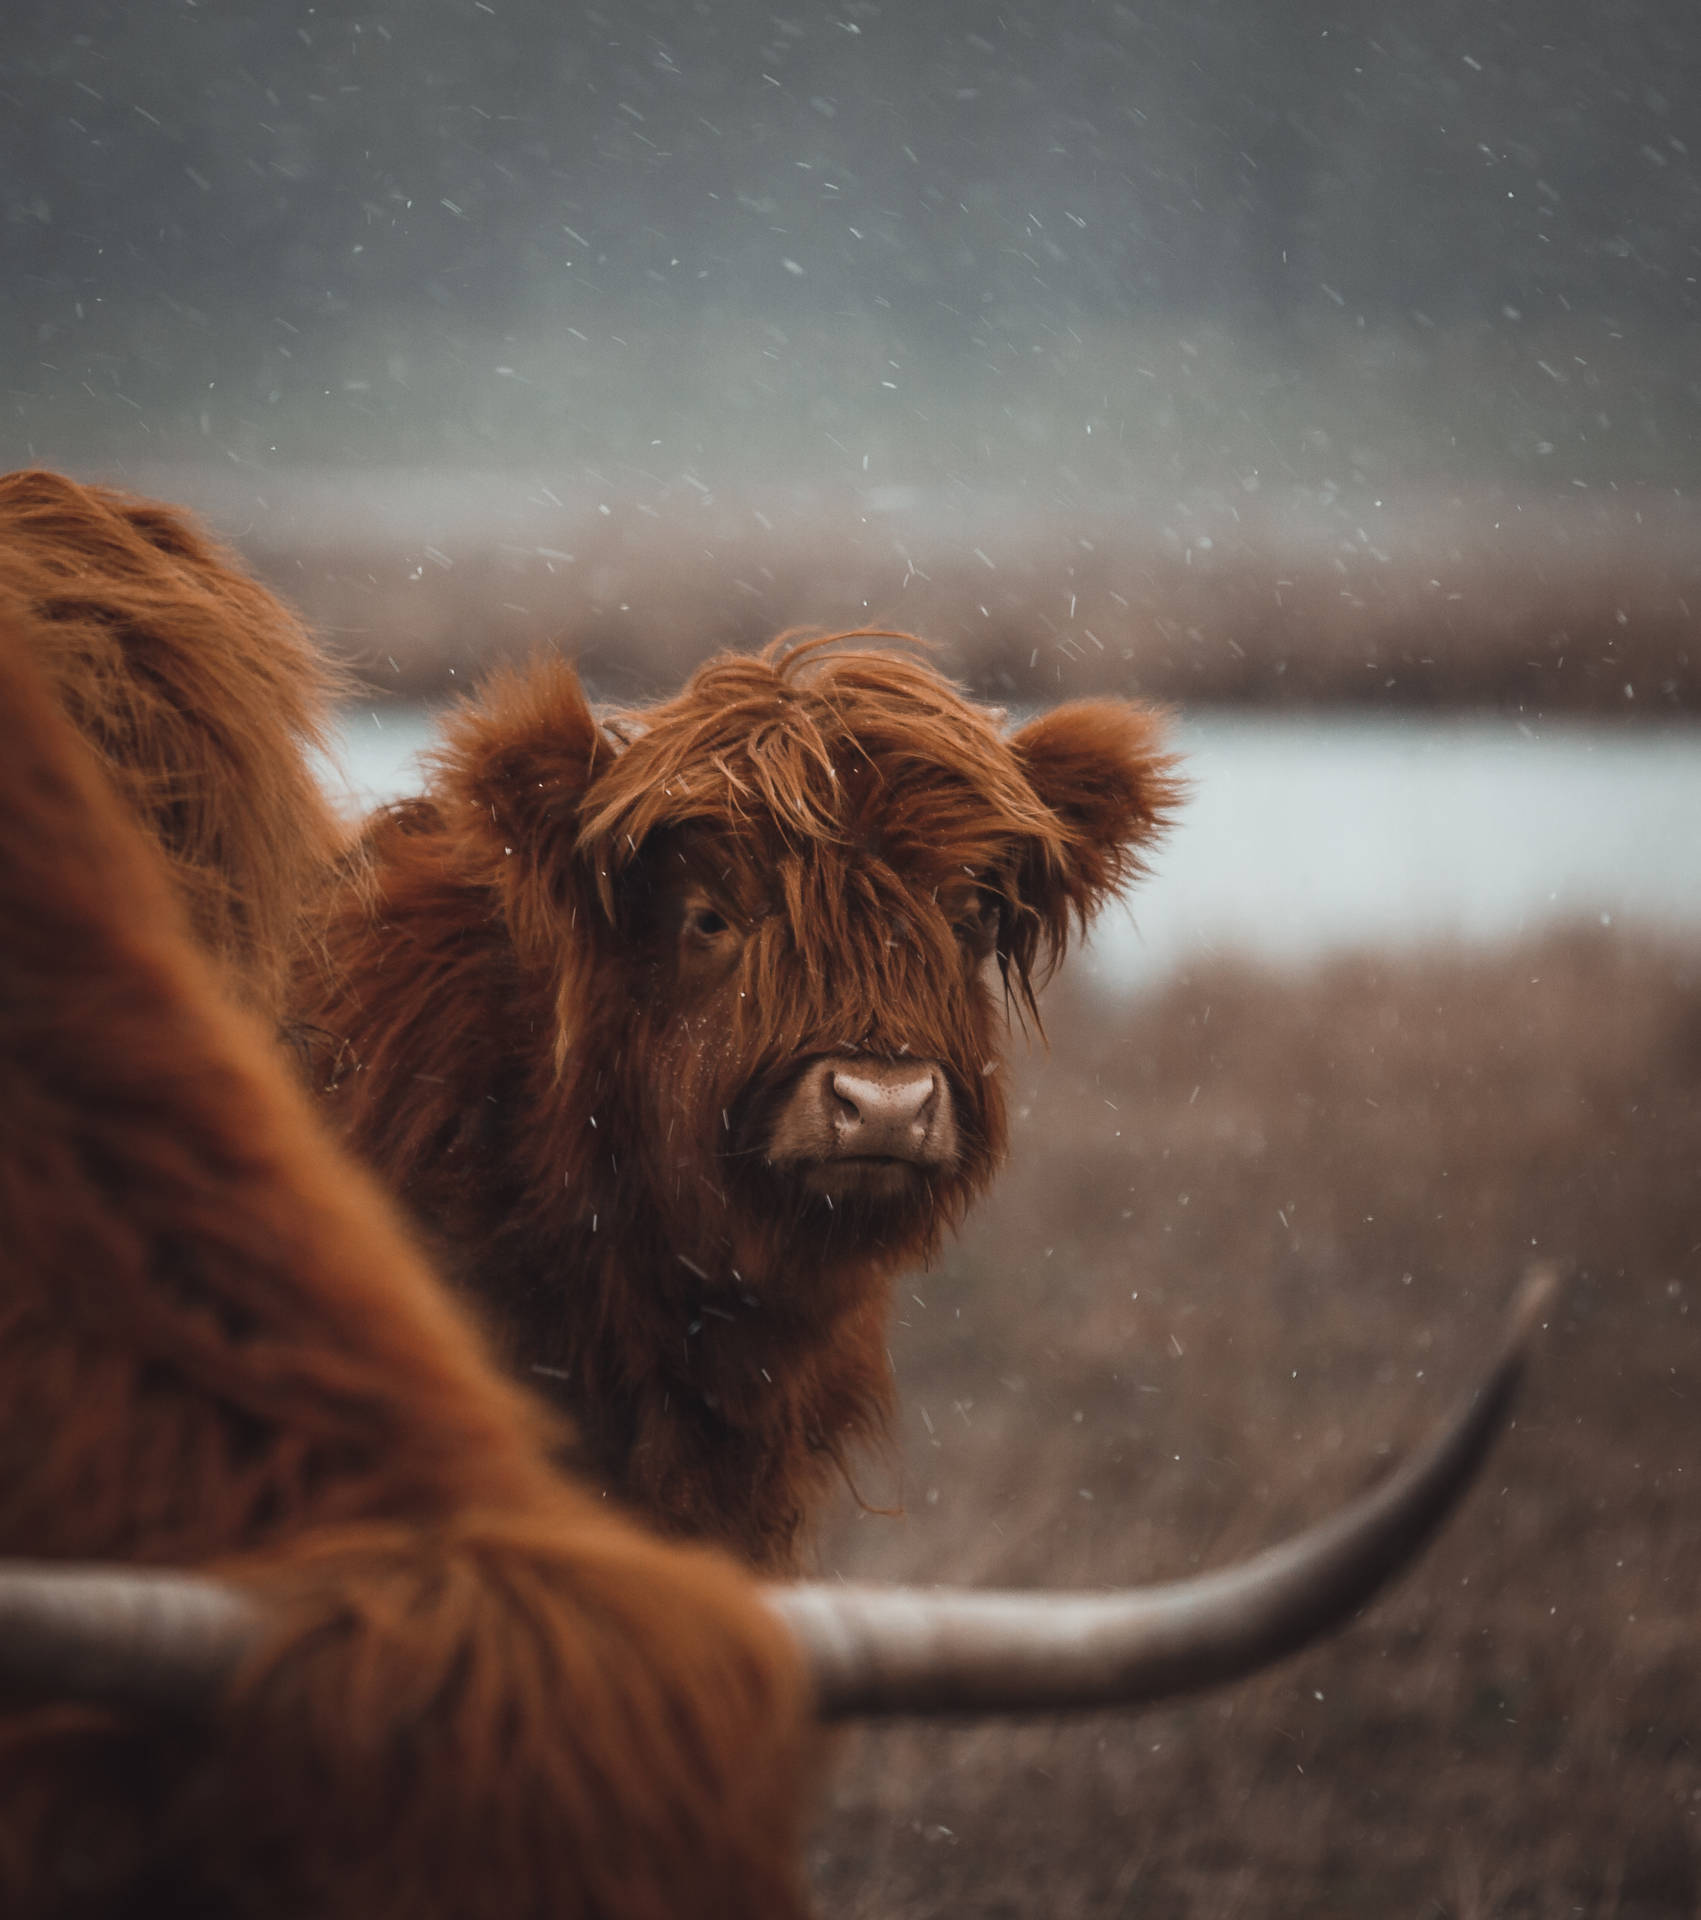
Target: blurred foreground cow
{"points": [[412, 1673], [201, 698], [478, 1691]]}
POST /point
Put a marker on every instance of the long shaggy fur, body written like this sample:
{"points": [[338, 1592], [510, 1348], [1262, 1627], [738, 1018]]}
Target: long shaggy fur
{"points": [[484, 1694], [200, 694], [575, 1084]]}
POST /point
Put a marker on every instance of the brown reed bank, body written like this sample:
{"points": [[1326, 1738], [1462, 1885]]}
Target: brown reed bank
{"points": [[1571, 601]]}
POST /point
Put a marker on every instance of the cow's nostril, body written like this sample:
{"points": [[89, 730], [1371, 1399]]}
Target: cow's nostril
{"points": [[885, 1101], [857, 1108]]}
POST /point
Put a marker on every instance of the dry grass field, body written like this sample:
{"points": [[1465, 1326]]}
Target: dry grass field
{"points": [[1257, 1232], [1565, 603], [1258, 1226]]}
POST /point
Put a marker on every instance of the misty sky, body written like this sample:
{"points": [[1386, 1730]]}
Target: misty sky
{"points": [[1208, 239]]}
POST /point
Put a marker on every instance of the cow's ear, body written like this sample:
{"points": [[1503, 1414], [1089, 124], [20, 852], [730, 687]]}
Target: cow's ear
{"points": [[1102, 770], [514, 767]]}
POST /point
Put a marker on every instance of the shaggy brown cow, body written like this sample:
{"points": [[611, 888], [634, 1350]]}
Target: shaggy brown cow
{"points": [[200, 695], [479, 1692], [682, 1027]]}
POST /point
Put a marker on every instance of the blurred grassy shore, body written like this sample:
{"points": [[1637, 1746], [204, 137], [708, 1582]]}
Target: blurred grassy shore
{"points": [[1569, 601], [1259, 1226], [1256, 1236]]}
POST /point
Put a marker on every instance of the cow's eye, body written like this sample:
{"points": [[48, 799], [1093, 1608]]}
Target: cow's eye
{"points": [[704, 922], [977, 925]]}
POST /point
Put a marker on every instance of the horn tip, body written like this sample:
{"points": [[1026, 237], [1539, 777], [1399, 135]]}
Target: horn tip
{"points": [[1537, 1294]]}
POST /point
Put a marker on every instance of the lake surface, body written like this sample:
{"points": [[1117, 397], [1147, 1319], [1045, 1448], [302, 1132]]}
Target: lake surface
{"points": [[1304, 835]]}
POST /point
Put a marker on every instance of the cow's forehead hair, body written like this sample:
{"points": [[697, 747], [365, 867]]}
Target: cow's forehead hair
{"points": [[759, 876], [812, 743]]}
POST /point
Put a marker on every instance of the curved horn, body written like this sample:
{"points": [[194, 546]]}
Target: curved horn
{"points": [[907, 1650], [146, 1640], [164, 1643]]}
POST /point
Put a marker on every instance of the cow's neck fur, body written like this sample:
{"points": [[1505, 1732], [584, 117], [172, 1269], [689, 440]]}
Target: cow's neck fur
{"points": [[720, 1408]]}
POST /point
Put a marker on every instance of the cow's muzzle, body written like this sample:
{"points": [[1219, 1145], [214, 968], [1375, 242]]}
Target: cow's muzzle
{"points": [[855, 1122]]}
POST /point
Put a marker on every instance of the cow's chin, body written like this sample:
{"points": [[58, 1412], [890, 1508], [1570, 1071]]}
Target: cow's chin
{"points": [[872, 1179]]}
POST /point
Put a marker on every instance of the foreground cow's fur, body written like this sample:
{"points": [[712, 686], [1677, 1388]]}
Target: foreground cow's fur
{"points": [[201, 697], [683, 1029], [483, 1693]]}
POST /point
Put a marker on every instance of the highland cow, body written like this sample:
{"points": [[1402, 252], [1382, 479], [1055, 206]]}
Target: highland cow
{"points": [[479, 1692], [681, 1028]]}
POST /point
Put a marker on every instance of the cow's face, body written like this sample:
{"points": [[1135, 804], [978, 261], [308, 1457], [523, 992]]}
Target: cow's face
{"points": [[823, 1021], [791, 908]]}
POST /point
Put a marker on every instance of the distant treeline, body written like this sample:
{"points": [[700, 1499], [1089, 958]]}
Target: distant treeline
{"points": [[1566, 604]]}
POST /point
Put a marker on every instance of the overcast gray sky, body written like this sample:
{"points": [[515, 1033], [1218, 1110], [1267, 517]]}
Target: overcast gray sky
{"points": [[1435, 237]]}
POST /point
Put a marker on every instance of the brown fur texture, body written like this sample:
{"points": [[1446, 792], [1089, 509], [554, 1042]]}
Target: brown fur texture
{"points": [[200, 694], [575, 990], [484, 1693]]}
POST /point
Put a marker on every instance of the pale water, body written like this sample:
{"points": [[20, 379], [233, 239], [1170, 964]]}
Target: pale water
{"points": [[1307, 835]]}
